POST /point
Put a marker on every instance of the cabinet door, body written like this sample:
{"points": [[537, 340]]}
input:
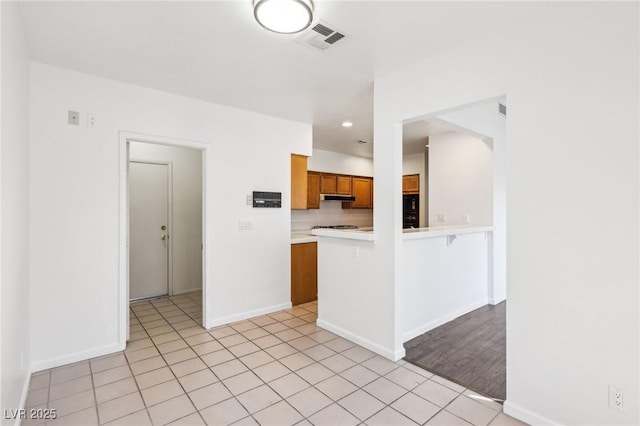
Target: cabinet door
{"points": [[363, 191], [298, 181], [411, 184], [344, 185], [313, 190], [304, 273], [328, 184]]}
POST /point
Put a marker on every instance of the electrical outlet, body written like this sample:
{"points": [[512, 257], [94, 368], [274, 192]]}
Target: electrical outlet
{"points": [[467, 218], [91, 120], [616, 398], [249, 200], [442, 217], [74, 118], [245, 225], [356, 252]]}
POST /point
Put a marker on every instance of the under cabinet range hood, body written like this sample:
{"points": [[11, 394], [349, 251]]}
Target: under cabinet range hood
{"points": [[336, 197]]}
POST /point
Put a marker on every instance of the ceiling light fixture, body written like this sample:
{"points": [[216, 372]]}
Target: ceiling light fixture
{"points": [[283, 16], [347, 124]]}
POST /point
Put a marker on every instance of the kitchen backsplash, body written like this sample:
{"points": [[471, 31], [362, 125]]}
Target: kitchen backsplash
{"points": [[330, 213]]}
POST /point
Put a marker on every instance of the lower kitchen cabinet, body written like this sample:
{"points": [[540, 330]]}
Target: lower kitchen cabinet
{"points": [[304, 273]]}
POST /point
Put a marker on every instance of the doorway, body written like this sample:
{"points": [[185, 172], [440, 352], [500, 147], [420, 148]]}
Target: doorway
{"points": [[162, 230], [461, 333]]}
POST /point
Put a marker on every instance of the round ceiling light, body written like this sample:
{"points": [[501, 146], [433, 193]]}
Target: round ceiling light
{"points": [[347, 124], [283, 16]]}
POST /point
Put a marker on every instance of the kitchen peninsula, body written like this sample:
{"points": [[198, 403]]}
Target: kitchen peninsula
{"points": [[445, 273]]}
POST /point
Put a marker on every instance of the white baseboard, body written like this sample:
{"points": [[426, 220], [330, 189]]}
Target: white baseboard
{"points": [[442, 320], [78, 356], [190, 290], [494, 302], [525, 415], [246, 315], [23, 396], [374, 347]]}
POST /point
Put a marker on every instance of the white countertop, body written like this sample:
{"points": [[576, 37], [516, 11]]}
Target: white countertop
{"points": [[367, 234], [442, 231], [300, 237], [348, 234]]}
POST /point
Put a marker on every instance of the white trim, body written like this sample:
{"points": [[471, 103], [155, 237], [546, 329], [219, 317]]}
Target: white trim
{"points": [[248, 314], [169, 165], [23, 396], [190, 290], [408, 335], [526, 416], [365, 343], [494, 302], [78, 356], [123, 245]]}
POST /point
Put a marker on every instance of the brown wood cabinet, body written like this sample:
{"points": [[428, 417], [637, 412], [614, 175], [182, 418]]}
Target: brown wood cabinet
{"points": [[328, 184], [344, 185], [304, 273], [363, 191], [411, 184], [298, 181], [313, 190]]}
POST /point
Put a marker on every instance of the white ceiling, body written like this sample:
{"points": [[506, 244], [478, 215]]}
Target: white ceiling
{"points": [[215, 51]]}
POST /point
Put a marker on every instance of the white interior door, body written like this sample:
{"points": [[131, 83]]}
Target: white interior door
{"points": [[148, 230]]}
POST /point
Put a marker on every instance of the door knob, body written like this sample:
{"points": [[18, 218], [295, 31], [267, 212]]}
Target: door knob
{"points": [[164, 237], [163, 227]]}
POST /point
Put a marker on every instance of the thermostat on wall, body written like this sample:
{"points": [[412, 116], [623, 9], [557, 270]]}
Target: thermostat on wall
{"points": [[267, 199]]}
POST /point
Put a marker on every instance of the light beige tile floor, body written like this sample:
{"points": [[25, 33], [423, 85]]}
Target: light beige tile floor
{"points": [[278, 369]]}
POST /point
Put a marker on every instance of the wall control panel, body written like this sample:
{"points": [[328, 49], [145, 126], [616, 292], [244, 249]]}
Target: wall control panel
{"points": [[267, 199]]}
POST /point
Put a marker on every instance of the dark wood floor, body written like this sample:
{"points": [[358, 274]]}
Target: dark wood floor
{"points": [[470, 350]]}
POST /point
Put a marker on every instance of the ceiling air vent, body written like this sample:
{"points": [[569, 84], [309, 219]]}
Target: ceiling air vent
{"points": [[320, 36], [502, 109]]}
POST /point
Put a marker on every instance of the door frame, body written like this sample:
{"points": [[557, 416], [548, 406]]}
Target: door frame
{"points": [[169, 165], [123, 243]]}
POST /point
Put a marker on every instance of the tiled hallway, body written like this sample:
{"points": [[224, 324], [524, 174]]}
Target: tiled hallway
{"points": [[278, 369]]}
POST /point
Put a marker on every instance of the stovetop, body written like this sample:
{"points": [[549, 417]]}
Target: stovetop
{"points": [[335, 227]]}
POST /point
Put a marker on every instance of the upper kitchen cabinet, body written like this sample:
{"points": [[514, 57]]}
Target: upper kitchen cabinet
{"points": [[411, 184], [298, 181], [313, 190], [344, 185], [363, 191], [328, 184], [335, 184]]}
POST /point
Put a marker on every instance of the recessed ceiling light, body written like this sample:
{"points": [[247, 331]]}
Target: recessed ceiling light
{"points": [[347, 124], [283, 16]]}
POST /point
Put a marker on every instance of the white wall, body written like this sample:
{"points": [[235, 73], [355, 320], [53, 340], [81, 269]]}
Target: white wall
{"points": [[572, 159], [335, 162], [75, 196], [414, 164], [14, 226], [443, 279], [460, 173], [331, 212], [186, 226]]}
